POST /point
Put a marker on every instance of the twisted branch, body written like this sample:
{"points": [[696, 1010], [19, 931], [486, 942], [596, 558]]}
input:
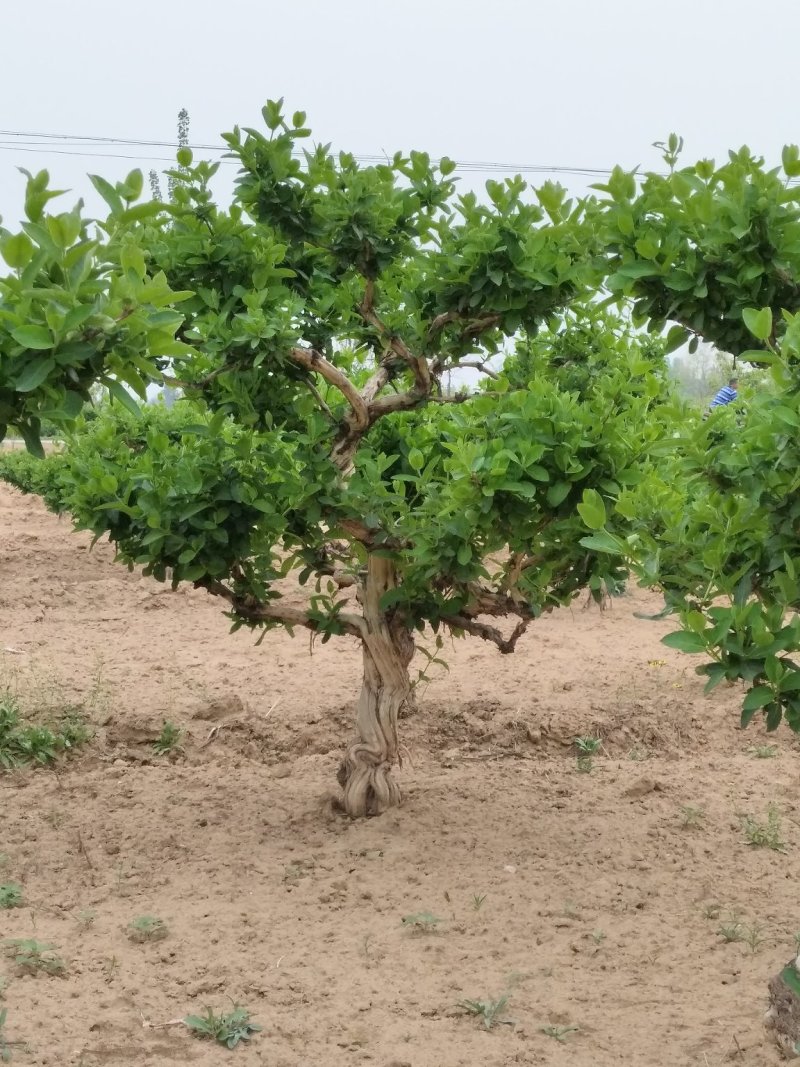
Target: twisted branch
{"points": [[315, 361], [487, 632]]}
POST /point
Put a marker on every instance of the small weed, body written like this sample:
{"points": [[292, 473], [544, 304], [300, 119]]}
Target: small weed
{"points": [[228, 1028], [598, 936], [691, 817], [86, 917], [764, 834], [147, 928], [763, 751], [110, 968], [638, 754], [488, 1011], [169, 740], [421, 922], [755, 935], [11, 895], [711, 910], [731, 929], [23, 744], [560, 1033], [34, 957], [478, 900], [587, 747]]}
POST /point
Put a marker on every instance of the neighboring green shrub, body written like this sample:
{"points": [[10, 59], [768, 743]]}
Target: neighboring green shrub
{"points": [[30, 474]]}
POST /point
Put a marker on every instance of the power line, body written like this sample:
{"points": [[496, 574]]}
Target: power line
{"points": [[38, 142], [86, 155]]}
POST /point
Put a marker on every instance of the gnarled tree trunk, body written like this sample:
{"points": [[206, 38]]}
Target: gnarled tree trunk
{"points": [[388, 647]]}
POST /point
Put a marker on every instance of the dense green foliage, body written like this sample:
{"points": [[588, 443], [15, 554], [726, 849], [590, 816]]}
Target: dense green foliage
{"points": [[42, 477], [703, 245], [717, 529], [76, 310]]}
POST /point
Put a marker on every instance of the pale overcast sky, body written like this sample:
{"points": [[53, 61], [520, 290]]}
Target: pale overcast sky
{"points": [[583, 83]]}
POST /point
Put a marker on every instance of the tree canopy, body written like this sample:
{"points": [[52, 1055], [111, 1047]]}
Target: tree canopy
{"points": [[313, 326]]}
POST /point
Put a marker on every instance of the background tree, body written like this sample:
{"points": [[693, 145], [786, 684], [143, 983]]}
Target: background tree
{"points": [[327, 305], [717, 251]]}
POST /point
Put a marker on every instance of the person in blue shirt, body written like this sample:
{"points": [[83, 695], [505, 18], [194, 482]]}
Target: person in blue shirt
{"points": [[726, 395]]}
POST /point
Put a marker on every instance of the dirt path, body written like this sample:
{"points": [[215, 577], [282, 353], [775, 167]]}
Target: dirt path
{"points": [[592, 899]]}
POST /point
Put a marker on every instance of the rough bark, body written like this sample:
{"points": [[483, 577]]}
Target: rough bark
{"points": [[783, 1017], [388, 647]]}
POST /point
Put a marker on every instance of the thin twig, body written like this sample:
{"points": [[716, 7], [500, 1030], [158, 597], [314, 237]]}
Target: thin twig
{"points": [[85, 854], [160, 1026], [214, 731], [498, 755], [318, 397]]}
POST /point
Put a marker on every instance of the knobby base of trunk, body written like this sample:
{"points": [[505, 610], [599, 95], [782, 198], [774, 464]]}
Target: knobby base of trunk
{"points": [[783, 1017], [388, 647]]}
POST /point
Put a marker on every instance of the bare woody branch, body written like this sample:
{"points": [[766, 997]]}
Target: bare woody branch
{"points": [[418, 364], [476, 364], [315, 361], [483, 630], [472, 327], [276, 611], [369, 538], [496, 602]]}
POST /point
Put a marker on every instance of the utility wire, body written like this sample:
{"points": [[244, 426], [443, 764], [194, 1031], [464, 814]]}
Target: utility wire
{"points": [[38, 142]]}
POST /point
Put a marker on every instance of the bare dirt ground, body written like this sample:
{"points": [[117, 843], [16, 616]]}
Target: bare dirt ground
{"points": [[602, 892]]}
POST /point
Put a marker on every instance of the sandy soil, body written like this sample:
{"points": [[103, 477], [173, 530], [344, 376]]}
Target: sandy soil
{"points": [[592, 899]]}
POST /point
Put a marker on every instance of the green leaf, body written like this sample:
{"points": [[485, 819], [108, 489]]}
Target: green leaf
{"points": [[416, 460], [119, 393], [108, 193], [791, 978], [757, 698], [774, 716], [602, 541], [557, 493], [132, 258], [32, 438], [592, 510], [37, 337], [676, 337], [17, 250], [715, 672], [759, 323], [36, 372], [684, 641]]}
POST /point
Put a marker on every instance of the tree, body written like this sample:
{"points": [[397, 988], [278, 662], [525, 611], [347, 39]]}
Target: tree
{"points": [[717, 251], [327, 305], [701, 374]]}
